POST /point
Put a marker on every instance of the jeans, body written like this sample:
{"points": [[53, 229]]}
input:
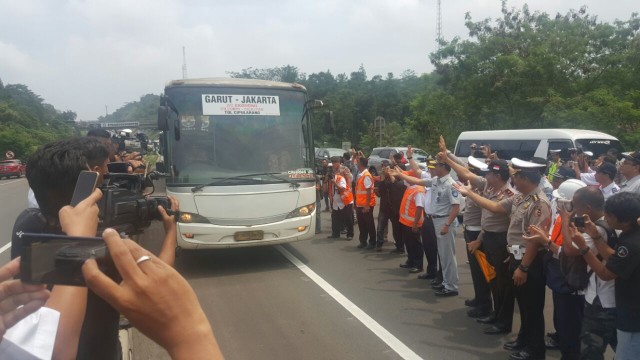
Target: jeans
{"points": [[628, 345]]}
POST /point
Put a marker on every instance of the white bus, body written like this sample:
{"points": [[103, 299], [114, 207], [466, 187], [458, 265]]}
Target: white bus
{"points": [[525, 144], [240, 159]]}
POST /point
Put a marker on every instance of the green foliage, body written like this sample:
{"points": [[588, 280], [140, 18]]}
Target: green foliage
{"points": [[27, 122], [145, 109], [529, 70]]}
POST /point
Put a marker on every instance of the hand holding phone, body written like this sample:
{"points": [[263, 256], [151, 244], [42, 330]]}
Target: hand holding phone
{"points": [[87, 181]]}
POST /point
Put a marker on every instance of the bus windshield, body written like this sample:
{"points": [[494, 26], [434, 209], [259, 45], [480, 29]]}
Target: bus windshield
{"points": [[236, 132]]}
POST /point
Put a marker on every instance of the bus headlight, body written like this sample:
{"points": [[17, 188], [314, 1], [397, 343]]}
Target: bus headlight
{"points": [[302, 211], [188, 218]]}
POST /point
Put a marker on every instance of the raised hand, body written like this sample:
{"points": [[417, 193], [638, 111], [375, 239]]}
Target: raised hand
{"points": [[442, 145], [409, 152]]}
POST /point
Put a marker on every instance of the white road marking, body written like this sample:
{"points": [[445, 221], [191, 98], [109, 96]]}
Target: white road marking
{"points": [[384, 335], [11, 182], [4, 248]]}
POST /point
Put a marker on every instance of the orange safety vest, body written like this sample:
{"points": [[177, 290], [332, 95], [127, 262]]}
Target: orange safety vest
{"points": [[408, 206], [556, 233], [347, 194], [361, 191]]}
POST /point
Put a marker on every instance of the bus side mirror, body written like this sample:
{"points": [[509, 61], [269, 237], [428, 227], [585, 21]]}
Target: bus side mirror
{"points": [[163, 118]]}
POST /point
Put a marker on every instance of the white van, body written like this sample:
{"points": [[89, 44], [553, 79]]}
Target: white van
{"points": [[525, 144]]}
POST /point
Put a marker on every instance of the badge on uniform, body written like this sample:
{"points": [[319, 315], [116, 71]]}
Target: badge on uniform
{"points": [[538, 212], [622, 252], [614, 190], [454, 193]]}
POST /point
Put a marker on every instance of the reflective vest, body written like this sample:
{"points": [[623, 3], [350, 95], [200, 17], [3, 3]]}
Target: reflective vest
{"points": [[556, 233], [408, 206], [346, 196], [361, 191]]}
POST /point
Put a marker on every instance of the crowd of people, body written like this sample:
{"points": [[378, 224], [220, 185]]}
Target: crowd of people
{"points": [[572, 225]]}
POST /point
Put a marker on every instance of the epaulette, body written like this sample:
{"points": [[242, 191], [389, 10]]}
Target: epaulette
{"points": [[508, 192], [535, 198]]}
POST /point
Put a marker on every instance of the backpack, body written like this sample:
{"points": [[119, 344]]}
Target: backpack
{"points": [[574, 268]]}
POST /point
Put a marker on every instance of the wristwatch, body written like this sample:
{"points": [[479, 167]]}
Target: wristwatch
{"points": [[584, 251], [447, 225], [523, 268], [410, 157]]}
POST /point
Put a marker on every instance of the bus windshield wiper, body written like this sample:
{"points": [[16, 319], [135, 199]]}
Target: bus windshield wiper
{"points": [[243, 177]]}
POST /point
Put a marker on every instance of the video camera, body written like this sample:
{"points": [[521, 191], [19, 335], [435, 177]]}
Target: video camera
{"points": [[123, 205]]}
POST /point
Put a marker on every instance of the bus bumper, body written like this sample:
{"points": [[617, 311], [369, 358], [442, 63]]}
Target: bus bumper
{"points": [[209, 236]]}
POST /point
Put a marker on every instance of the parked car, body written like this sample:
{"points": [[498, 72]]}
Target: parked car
{"points": [[9, 168], [328, 153], [380, 153]]}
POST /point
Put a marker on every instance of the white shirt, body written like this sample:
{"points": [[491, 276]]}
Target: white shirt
{"points": [[631, 185], [605, 290], [419, 198], [609, 190], [337, 200], [589, 178], [31, 200], [368, 183], [426, 203]]}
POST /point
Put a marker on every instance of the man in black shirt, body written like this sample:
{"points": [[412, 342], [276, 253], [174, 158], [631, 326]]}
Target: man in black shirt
{"points": [[390, 191], [622, 264]]}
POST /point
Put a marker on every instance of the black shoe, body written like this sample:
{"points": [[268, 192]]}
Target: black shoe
{"points": [[479, 312], [515, 345], [333, 237], [361, 246], [525, 355], [494, 330], [436, 281], [488, 320], [415, 270], [397, 251], [371, 247], [446, 293], [471, 302], [426, 276], [551, 344], [438, 287], [405, 266]]}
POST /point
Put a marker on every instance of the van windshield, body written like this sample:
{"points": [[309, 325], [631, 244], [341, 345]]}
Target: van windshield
{"points": [[599, 146], [506, 149]]}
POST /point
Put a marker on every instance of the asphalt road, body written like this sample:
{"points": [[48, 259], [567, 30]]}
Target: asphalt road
{"points": [[262, 306]]}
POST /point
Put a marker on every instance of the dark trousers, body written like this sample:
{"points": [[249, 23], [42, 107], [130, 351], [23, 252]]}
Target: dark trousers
{"points": [[414, 249], [530, 298], [366, 225], [326, 201], [383, 221], [495, 247], [480, 284], [598, 331], [340, 219], [568, 309], [430, 247]]}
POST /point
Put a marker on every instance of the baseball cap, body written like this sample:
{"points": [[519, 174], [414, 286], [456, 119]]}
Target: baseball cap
{"points": [[609, 169]]}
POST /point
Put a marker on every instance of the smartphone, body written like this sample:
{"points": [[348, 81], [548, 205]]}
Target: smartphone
{"points": [[87, 181], [57, 259], [578, 221]]}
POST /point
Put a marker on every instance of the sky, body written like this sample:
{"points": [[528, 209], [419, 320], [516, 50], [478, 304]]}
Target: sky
{"points": [[93, 56]]}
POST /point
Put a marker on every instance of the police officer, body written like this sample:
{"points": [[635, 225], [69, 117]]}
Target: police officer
{"points": [[444, 208], [529, 207], [493, 238], [554, 164]]}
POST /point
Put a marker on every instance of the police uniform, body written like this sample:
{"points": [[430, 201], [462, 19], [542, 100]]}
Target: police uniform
{"points": [[532, 208], [472, 226], [494, 244], [443, 197]]}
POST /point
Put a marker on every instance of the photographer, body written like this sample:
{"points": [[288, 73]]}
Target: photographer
{"points": [[52, 172]]}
